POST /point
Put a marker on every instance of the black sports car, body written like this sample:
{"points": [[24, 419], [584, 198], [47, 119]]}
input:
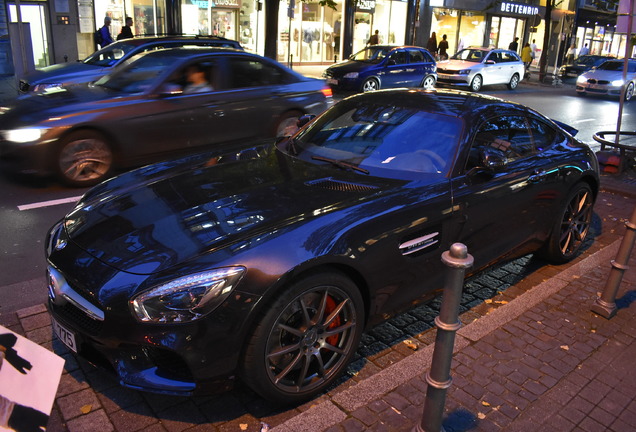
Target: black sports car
{"points": [[582, 64], [268, 263]]}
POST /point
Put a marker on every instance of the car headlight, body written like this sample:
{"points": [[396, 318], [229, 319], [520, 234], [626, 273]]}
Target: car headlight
{"points": [[351, 75], [187, 298], [618, 82], [464, 72], [24, 135], [581, 79]]}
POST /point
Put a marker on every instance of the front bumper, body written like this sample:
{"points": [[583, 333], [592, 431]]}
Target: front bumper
{"points": [[597, 89], [453, 79], [26, 158], [184, 359]]}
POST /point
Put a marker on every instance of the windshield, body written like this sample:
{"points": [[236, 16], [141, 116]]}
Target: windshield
{"points": [[471, 55], [371, 54], [617, 66], [109, 55], [137, 75], [382, 138]]}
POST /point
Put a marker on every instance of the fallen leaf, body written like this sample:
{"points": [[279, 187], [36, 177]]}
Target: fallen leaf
{"points": [[488, 301], [86, 409], [565, 347], [481, 416], [409, 343], [394, 409], [243, 426], [484, 403]]}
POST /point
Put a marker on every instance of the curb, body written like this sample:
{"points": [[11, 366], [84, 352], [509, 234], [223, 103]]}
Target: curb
{"points": [[331, 412]]}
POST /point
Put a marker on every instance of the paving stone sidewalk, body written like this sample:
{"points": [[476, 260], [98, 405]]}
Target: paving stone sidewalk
{"points": [[532, 358]]}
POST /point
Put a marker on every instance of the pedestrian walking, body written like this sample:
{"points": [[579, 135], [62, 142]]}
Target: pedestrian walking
{"points": [[514, 45], [442, 48], [431, 45], [584, 51], [103, 34], [526, 57], [569, 59], [126, 31]]}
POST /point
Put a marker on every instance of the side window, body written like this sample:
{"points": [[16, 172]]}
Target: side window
{"points": [[508, 57], [416, 56], [196, 77], [495, 56], [245, 72], [399, 58], [544, 134], [507, 134]]}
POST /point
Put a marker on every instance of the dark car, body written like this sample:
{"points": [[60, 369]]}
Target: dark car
{"points": [[102, 61], [144, 112], [383, 66], [268, 263], [582, 64]]}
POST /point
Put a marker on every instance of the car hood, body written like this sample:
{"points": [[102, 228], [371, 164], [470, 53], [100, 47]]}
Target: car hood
{"points": [[166, 214], [65, 73], [456, 65], [34, 108], [600, 74], [349, 66]]}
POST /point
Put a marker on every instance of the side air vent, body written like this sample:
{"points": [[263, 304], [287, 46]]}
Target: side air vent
{"points": [[336, 185]]}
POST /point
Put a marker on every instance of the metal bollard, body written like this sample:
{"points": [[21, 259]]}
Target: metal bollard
{"points": [[438, 379], [605, 305]]}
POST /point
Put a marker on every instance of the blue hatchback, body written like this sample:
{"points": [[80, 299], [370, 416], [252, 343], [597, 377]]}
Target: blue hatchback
{"points": [[384, 66]]}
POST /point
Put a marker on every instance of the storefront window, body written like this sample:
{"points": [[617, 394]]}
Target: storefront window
{"points": [[204, 17], [252, 25], [148, 16], [445, 22], [472, 28], [315, 33], [113, 9], [386, 16]]}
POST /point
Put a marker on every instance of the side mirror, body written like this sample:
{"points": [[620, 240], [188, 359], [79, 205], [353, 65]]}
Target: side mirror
{"points": [[304, 119], [490, 62], [492, 159]]}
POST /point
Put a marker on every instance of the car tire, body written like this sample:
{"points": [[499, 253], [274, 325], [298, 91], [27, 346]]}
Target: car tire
{"points": [[629, 92], [287, 124], [476, 83], [571, 226], [305, 338], [370, 84], [514, 82], [428, 82], [84, 159]]}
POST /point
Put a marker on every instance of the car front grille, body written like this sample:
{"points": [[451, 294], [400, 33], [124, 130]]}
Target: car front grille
{"points": [[595, 81], [78, 318], [446, 71]]}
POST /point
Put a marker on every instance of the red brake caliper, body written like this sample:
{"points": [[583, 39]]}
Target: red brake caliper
{"points": [[331, 305]]}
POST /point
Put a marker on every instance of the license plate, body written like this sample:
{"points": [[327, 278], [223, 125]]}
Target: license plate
{"points": [[443, 76], [64, 334], [332, 81]]}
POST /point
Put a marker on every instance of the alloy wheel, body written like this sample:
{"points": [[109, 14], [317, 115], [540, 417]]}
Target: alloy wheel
{"points": [[576, 222]]}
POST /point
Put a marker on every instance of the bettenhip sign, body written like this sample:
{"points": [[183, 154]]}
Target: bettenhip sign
{"points": [[516, 8]]}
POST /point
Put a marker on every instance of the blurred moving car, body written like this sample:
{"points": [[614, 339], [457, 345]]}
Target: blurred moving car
{"points": [[383, 66], [102, 61], [607, 79], [582, 64], [215, 270], [475, 67], [144, 111]]}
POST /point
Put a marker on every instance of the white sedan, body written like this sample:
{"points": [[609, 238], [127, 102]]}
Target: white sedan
{"points": [[607, 79], [475, 67]]}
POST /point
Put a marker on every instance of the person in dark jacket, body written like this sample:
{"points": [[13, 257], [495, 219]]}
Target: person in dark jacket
{"points": [[126, 31], [443, 47], [514, 45], [431, 46]]}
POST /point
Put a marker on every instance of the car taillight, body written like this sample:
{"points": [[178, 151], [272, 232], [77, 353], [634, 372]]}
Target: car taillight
{"points": [[327, 92]]}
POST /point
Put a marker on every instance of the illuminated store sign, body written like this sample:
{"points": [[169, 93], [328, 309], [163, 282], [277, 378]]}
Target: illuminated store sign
{"points": [[521, 9]]}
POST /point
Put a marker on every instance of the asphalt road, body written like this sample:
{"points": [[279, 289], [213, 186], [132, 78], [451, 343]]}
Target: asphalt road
{"points": [[29, 207]]}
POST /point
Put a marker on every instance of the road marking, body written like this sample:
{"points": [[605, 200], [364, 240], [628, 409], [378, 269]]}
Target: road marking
{"points": [[49, 203], [583, 120]]}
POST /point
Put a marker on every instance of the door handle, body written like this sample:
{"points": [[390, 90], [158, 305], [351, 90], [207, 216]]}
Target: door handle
{"points": [[537, 176]]}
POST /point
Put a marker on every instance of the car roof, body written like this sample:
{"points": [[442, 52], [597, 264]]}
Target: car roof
{"points": [[193, 51], [142, 40]]}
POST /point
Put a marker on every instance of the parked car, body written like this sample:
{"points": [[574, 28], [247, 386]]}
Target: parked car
{"points": [[268, 263], [476, 67], [141, 113], [582, 64], [607, 79], [383, 66], [102, 61]]}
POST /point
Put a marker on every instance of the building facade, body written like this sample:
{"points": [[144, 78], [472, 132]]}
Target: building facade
{"points": [[62, 30]]}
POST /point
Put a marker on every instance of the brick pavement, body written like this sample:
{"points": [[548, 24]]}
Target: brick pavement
{"points": [[533, 355]]}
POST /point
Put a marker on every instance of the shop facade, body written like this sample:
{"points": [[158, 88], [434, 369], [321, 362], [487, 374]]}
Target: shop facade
{"points": [[482, 24], [597, 29]]}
